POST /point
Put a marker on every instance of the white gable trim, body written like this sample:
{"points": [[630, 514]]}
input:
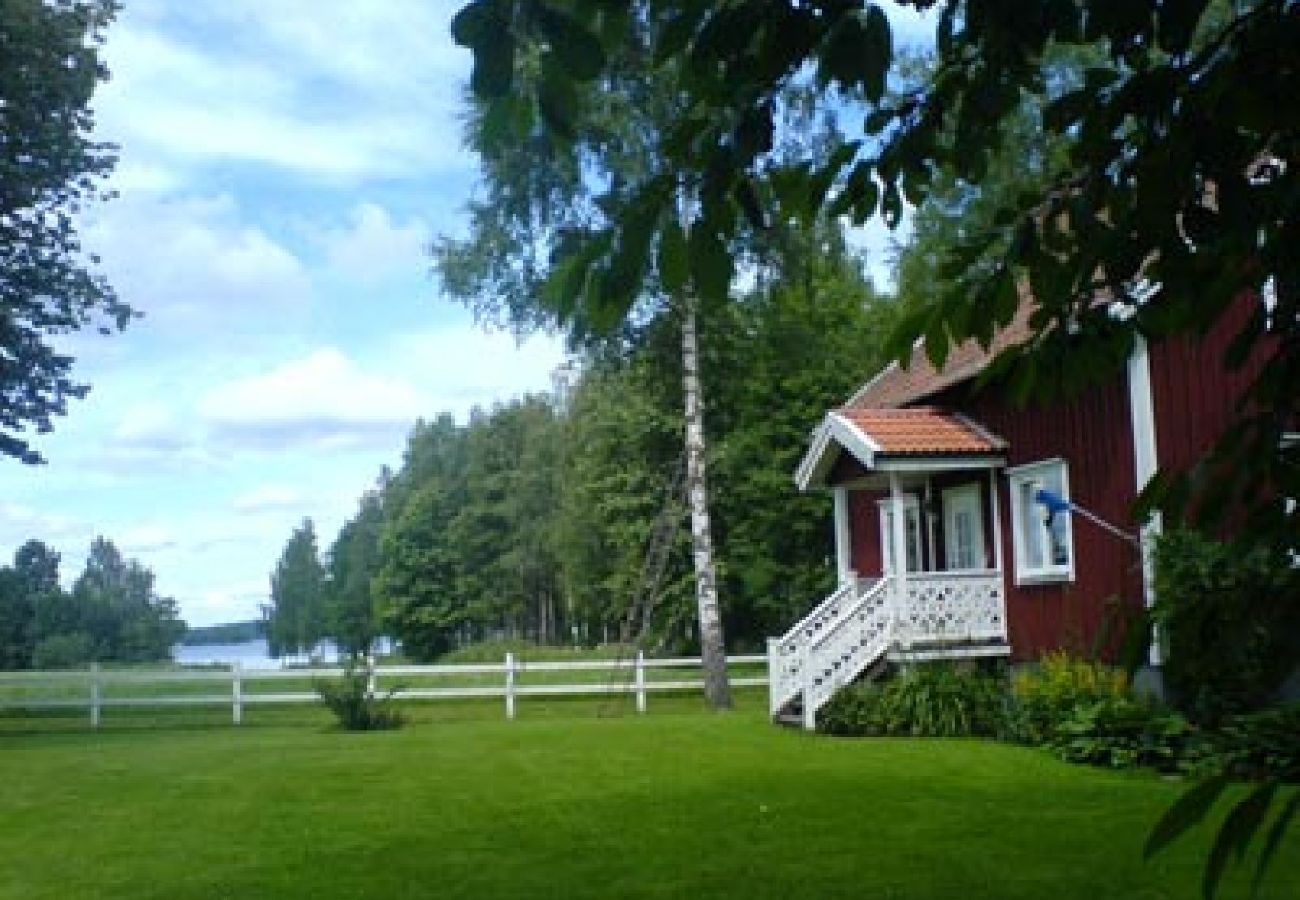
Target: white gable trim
{"points": [[834, 432]]}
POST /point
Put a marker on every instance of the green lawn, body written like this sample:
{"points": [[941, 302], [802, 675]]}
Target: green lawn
{"points": [[566, 803]]}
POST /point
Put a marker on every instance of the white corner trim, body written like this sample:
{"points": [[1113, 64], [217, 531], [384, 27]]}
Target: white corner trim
{"points": [[1146, 460]]}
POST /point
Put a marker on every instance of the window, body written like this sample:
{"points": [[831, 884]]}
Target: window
{"points": [[1044, 546], [963, 528], [911, 528]]}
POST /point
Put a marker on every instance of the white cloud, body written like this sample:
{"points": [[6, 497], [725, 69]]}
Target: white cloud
{"points": [[146, 539], [19, 522], [373, 246], [189, 263], [322, 400], [459, 368], [229, 603], [268, 497], [347, 91]]}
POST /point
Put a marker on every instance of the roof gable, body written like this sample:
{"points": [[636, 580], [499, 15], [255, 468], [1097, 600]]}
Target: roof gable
{"points": [[896, 385]]}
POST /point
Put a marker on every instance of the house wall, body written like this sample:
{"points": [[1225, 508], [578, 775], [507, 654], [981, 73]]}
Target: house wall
{"points": [[1093, 433], [1195, 399], [1194, 394]]}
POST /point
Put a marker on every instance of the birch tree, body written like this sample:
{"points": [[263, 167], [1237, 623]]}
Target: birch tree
{"points": [[541, 194]]}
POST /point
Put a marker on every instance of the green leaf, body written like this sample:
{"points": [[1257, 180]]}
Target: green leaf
{"points": [[879, 53], [749, 203], [572, 45], [674, 259], [878, 120], [677, 34], [711, 264], [1176, 23], [494, 67], [472, 25], [557, 101], [1189, 810]]}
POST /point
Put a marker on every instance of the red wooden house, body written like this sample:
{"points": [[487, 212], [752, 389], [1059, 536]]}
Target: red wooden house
{"points": [[944, 545]]}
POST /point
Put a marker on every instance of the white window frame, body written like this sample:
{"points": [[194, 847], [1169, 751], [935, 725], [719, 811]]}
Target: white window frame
{"points": [[911, 528], [952, 498], [1049, 572]]}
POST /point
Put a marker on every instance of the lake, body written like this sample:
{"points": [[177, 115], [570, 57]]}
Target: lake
{"points": [[249, 654]]}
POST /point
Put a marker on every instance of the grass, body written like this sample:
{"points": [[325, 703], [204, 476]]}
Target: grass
{"points": [[564, 803]]}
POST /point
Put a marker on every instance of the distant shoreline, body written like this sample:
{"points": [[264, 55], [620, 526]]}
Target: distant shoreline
{"points": [[224, 633]]}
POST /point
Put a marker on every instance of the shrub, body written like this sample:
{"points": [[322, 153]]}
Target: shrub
{"points": [[929, 701], [1226, 635], [1256, 746], [854, 711], [940, 701], [352, 703], [1049, 693], [1121, 732], [63, 651]]}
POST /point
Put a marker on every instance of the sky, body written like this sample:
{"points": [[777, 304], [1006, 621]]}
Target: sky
{"points": [[283, 166]]}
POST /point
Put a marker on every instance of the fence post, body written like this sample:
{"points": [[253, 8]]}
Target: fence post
{"points": [[236, 693], [640, 681], [510, 685], [370, 676], [94, 695]]}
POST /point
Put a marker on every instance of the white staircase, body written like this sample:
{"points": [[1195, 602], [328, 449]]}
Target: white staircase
{"points": [[848, 632]]}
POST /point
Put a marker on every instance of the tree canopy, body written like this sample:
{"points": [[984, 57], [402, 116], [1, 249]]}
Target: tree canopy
{"points": [[112, 613], [1179, 170], [50, 169]]}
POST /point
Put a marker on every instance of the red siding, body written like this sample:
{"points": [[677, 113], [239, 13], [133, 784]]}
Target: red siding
{"points": [[1195, 396], [864, 533], [1093, 434]]}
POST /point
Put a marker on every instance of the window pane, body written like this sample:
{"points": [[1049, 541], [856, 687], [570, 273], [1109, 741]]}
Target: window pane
{"points": [[1031, 518]]}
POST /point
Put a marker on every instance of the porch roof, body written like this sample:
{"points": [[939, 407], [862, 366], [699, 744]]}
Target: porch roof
{"points": [[911, 439]]}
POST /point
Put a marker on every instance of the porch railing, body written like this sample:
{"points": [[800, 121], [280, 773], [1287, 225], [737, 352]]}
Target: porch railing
{"points": [[862, 620], [947, 607]]}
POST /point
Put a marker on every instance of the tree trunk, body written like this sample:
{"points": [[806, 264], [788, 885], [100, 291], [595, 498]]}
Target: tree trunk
{"points": [[717, 690]]}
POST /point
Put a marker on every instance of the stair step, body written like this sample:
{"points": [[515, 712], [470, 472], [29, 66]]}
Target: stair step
{"points": [[793, 720]]}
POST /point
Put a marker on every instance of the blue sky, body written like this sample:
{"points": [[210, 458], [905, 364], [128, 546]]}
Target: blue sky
{"points": [[283, 165]]}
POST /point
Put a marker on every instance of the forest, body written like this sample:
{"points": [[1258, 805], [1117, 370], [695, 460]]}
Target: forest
{"points": [[535, 519], [111, 614]]}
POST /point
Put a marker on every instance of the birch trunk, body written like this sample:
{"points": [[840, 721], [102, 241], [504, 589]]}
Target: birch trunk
{"points": [[717, 690]]}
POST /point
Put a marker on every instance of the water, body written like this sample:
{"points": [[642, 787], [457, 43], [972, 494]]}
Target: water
{"points": [[249, 654]]}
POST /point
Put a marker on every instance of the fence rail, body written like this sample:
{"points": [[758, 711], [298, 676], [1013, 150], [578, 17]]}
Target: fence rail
{"points": [[93, 689]]}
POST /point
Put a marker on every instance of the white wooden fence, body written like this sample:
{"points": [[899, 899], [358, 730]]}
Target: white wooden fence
{"points": [[624, 676]]}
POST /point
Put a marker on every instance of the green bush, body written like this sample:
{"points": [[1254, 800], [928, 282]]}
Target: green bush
{"points": [[1226, 626], [1256, 746], [63, 651], [929, 701], [1120, 733], [854, 711], [352, 703], [1049, 693]]}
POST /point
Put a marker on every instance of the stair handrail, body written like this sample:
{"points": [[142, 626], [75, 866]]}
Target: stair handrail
{"points": [[787, 653], [816, 664]]}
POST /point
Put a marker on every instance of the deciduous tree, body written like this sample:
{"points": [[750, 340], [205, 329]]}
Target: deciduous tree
{"points": [[50, 170]]}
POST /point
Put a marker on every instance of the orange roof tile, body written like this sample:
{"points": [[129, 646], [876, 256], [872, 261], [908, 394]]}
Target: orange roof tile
{"points": [[897, 386], [923, 430]]}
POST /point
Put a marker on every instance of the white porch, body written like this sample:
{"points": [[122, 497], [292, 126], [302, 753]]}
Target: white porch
{"points": [[923, 605]]}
